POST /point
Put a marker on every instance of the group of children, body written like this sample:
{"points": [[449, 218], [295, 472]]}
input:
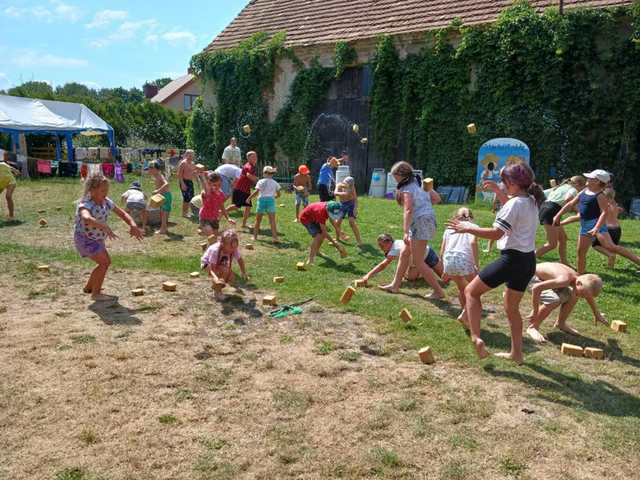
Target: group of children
{"points": [[523, 207]]}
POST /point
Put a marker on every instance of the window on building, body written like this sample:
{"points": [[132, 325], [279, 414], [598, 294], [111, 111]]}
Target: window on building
{"points": [[189, 100]]}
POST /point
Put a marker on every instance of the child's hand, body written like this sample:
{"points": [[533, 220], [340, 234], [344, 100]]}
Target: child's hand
{"points": [[407, 239], [592, 232], [455, 225], [556, 220], [601, 318], [136, 232], [232, 221], [490, 185], [109, 233]]}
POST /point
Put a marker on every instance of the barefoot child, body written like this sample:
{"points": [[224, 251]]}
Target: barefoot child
{"points": [[592, 207], [419, 226], [557, 285], [302, 187], [267, 190], [162, 188], [8, 183], [613, 226], [218, 259], [348, 196], [91, 230], [212, 204], [515, 231], [392, 250], [314, 219], [135, 202], [459, 252]]}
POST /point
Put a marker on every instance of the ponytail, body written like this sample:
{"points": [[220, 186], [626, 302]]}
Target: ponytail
{"points": [[537, 193]]}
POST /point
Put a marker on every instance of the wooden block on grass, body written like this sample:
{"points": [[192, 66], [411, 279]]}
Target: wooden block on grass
{"points": [[594, 353], [281, 205], [270, 300], [169, 286], [211, 239], [618, 326], [218, 286], [249, 246], [427, 184], [572, 350], [58, 209], [426, 355], [42, 212], [194, 274], [278, 279], [343, 253], [137, 292], [301, 266], [360, 284], [347, 295], [405, 315], [156, 200], [43, 268], [42, 222]]}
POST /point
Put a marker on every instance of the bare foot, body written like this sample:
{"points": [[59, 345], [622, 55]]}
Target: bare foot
{"points": [[388, 288], [310, 262], [276, 241], [612, 261], [462, 318], [567, 329], [103, 298], [535, 335], [481, 350], [508, 356], [436, 296]]}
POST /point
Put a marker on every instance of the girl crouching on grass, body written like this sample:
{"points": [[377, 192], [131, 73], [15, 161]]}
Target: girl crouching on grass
{"points": [[515, 231], [91, 230], [218, 258], [459, 252]]}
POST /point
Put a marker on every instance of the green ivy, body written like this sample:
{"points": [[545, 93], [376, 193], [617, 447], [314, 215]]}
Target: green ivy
{"points": [[345, 55], [200, 132]]}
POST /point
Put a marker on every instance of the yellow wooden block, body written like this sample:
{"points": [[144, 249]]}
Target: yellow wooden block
{"points": [[347, 295], [301, 266], [270, 300], [200, 166], [194, 274], [427, 184], [343, 252], [572, 350], [472, 129], [249, 246], [426, 355], [169, 286], [58, 209], [618, 326], [43, 268], [156, 200], [42, 222], [42, 212], [204, 246], [137, 292], [278, 279], [211, 239], [360, 284], [594, 353], [281, 205], [405, 315], [218, 286]]}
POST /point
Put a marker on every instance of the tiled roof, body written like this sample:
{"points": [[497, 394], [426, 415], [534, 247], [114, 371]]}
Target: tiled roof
{"points": [[170, 89], [313, 22]]}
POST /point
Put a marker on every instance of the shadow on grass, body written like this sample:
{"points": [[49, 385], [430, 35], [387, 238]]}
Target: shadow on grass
{"points": [[174, 237], [341, 267], [502, 342], [367, 250], [611, 349], [573, 392], [115, 313], [11, 223], [235, 304]]}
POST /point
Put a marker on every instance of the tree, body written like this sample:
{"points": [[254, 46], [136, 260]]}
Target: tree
{"points": [[161, 82], [74, 89], [33, 89]]}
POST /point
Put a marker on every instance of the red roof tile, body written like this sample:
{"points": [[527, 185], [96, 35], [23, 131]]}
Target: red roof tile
{"points": [[312, 22]]}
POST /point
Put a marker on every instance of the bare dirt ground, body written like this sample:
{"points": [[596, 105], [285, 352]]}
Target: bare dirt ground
{"points": [[170, 386]]}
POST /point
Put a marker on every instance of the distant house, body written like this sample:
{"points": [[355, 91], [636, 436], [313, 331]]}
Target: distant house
{"points": [[180, 94]]}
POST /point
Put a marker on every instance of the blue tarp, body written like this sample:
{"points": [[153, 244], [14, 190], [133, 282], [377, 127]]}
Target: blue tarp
{"points": [[451, 194]]}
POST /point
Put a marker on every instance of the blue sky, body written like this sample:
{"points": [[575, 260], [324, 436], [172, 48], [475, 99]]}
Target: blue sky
{"points": [[105, 44]]}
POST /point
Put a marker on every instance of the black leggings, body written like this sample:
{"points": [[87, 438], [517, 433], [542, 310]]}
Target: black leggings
{"points": [[323, 191], [514, 268]]}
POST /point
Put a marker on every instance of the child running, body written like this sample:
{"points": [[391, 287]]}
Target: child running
{"points": [[162, 188], [212, 204], [314, 218], [557, 285], [592, 207], [91, 230], [515, 231], [459, 252], [613, 227], [217, 260], [392, 250], [135, 203], [8, 183], [302, 187], [267, 190], [348, 196], [419, 226]]}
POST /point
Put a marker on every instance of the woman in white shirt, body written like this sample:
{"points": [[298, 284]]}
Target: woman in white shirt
{"points": [[515, 231]]}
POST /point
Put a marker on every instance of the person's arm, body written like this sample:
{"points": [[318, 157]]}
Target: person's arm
{"points": [[163, 188], [180, 175], [243, 268], [378, 268], [603, 203], [597, 315], [325, 232], [443, 246], [476, 256], [407, 201], [538, 288], [565, 208], [252, 177], [134, 231], [253, 195], [89, 221], [435, 196], [224, 213], [571, 219], [493, 233], [278, 190], [495, 188]]}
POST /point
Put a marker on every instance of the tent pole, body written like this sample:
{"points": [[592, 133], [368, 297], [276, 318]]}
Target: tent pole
{"points": [[70, 153]]}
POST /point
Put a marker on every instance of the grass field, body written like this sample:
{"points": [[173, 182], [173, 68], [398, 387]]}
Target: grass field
{"points": [[178, 386]]}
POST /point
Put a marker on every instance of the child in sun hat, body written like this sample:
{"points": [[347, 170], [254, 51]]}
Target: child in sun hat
{"points": [[593, 206], [267, 190], [302, 187], [136, 204], [91, 231], [314, 218]]}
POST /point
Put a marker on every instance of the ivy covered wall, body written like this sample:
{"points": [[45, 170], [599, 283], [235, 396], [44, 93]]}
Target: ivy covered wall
{"points": [[568, 86]]}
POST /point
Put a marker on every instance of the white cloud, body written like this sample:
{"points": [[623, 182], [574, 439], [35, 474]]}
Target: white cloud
{"points": [[13, 12], [66, 11], [178, 38], [106, 17], [126, 31], [31, 58], [4, 79], [56, 10]]}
